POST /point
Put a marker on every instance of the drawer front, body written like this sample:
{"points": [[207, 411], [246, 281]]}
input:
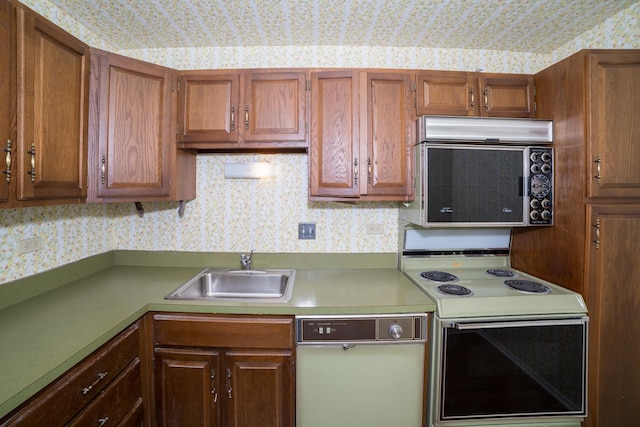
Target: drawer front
{"points": [[115, 402], [224, 331], [65, 397]]}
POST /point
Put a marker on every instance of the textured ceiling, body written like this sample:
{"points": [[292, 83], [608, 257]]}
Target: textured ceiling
{"points": [[537, 26]]}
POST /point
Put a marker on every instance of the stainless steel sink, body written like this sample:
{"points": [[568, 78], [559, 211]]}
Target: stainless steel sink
{"points": [[238, 285]]}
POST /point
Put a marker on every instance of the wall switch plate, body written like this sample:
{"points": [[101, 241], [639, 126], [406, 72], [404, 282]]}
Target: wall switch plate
{"points": [[374, 229], [306, 230], [29, 245]]}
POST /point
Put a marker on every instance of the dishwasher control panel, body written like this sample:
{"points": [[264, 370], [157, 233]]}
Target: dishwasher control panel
{"points": [[362, 328]]}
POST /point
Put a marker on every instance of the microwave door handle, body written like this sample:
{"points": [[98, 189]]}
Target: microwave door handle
{"points": [[493, 325]]}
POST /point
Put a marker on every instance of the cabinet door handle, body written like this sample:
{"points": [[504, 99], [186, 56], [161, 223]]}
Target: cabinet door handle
{"points": [[229, 388], [101, 375], [598, 162], [32, 172], [103, 163], [597, 227], [233, 117], [485, 94], [473, 99], [7, 161], [369, 170], [246, 117], [355, 172]]}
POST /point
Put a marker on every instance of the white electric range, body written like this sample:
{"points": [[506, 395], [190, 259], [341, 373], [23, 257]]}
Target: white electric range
{"points": [[507, 348]]}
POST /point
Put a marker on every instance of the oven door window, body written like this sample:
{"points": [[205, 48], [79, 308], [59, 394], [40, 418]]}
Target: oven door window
{"points": [[513, 369]]}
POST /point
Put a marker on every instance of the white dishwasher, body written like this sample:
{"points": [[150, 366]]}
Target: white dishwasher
{"points": [[361, 370]]}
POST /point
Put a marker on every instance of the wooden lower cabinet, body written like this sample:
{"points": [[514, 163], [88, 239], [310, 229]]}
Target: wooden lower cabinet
{"points": [[231, 371], [104, 389]]}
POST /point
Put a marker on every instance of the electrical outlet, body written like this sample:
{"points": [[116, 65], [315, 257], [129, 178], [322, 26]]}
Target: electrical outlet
{"points": [[374, 229], [29, 245], [306, 230]]}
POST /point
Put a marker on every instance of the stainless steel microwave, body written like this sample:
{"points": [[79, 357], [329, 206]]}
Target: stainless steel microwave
{"points": [[472, 184]]}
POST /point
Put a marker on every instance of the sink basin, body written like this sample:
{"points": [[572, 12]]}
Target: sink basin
{"points": [[238, 285]]}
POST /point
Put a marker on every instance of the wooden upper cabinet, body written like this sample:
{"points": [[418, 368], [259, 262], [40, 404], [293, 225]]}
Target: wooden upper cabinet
{"points": [[613, 125], [242, 109], [52, 104], [446, 94], [134, 152], [389, 135], [453, 93], [334, 146], [362, 131], [7, 107], [208, 108], [506, 95]]}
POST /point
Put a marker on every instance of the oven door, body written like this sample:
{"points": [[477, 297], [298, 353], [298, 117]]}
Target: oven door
{"points": [[510, 369]]}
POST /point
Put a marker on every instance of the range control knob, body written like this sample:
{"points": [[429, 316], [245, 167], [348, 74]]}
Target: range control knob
{"points": [[545, 168], [546, 203], [534, 203], [546, 157], [546, 215], [395, 331], [535, 215], [535, 168]]}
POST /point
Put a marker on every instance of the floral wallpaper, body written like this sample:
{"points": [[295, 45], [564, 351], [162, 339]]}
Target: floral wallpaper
{"points": [[238, 214]]}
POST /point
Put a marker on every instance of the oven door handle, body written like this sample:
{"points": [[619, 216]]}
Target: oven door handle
{"points": [[525, 323]]}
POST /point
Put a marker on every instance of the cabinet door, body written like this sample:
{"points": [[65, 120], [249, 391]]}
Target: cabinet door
{"points": [[136, 138], [208, 108], [53, 83], [506, 96], [613, 125], [613, 299], [274, 107], [334, 143], [259, 389], [187, 387], [448, 94], [7, 114], [390, 135]]}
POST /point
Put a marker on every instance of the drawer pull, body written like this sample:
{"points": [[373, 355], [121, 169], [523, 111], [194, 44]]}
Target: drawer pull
{"points": [[101, 375], [103, 421]]}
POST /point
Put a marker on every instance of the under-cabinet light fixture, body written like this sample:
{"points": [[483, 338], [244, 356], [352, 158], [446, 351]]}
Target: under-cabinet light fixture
{"points": [[251, 170]]}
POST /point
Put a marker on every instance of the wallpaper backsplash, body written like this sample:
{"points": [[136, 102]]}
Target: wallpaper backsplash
{"points": [[236, 214]]}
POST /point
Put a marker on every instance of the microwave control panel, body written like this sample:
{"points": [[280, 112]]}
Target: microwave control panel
{"points": [[540, 185]]}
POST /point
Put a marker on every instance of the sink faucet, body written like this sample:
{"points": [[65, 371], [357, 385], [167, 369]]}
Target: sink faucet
{"points": [[245, 260]]}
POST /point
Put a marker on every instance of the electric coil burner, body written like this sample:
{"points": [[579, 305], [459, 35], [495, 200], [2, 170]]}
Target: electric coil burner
{"points": [[528, 286], [499, 272], [449, 289], [439, 276]]}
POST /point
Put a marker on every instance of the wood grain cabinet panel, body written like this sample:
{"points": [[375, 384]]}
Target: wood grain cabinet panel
{"points": [[593, 96], [44, 84], [134, 156], [614, 125], [454, 93], [362, 131], [231, 371], [242, 110]]}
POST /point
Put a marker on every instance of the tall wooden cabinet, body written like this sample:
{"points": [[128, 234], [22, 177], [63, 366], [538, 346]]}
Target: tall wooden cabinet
{"points": [[362, 131], [134, 156], [44, 117], [7, 108], [458, 93], [223, 371], [594, 99], [242, 109]]}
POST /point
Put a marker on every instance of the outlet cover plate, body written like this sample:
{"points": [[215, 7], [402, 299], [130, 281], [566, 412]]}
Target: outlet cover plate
{"points": [[29, 245], [306, 230]]}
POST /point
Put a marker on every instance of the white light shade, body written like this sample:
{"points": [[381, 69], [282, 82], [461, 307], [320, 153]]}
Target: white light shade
{"points": [[250, 170]]}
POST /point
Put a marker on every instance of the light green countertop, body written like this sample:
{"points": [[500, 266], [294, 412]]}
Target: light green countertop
{"points": [[58, 318]]}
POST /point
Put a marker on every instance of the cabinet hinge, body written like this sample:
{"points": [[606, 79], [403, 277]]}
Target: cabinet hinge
{"points": [[177, 129], [178, 86], [307, 84], [535, 101], [414, 86]]}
